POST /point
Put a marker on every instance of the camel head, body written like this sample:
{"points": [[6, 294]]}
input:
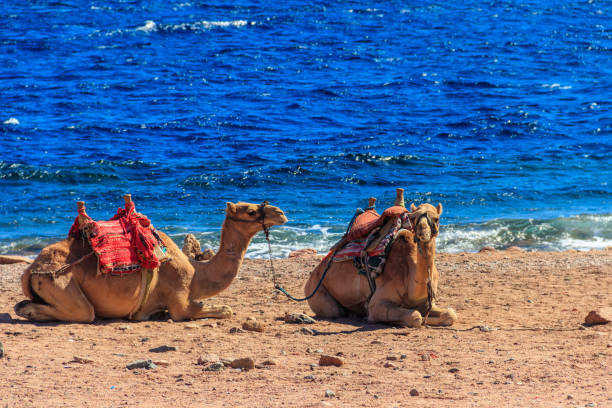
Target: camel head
{"points": [[255, 216], [425, 220]]}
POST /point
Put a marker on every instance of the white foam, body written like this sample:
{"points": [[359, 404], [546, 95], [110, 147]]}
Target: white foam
{"points": [[149, 27], [11, 121], [584, 244]]}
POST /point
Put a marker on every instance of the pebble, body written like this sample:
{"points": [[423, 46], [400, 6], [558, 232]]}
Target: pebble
{"points": [[329, 394], [299, 318], [162, 349], [390, 365], [234, 330], [148, 364], [162, 363], [191, 326], [453, 370], [330, 360], [253, 325], [124, 327], [1, 350], [270, 362], [569, 397], [310, 377], [376, 342], [307, 331], [591, 404], [425, 357], [601, 316], [5, 318], [215, 367], [414, 392], [392, 357], [208, 358], [245, 363], [81, 360]]}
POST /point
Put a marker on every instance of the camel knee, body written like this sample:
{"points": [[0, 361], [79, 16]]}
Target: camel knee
{"points": [[448, 317]]}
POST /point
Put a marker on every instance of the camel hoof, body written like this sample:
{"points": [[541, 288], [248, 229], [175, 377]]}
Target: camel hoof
{"points": [[19, 309], [448, 317], [225, 312], [414, 319]]}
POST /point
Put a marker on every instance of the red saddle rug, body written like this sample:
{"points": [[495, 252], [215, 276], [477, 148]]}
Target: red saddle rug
{"points": [[126, 243]]}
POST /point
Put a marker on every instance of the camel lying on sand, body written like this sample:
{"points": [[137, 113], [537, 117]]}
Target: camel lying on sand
{"points": [[401, 293], [79, 294]]}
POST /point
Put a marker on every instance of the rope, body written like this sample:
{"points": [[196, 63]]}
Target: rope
{"points": [[489, 329], [281, 289], [64, 267]]}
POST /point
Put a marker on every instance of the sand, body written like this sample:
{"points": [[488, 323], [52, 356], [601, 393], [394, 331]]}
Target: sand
{"points": [[519, 342]]}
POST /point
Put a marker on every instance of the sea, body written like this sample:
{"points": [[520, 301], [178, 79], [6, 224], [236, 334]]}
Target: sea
{"points": [[499, 110]]}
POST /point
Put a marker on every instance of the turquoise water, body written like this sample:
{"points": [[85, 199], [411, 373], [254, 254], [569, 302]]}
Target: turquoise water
{"points": [[501, 112]]}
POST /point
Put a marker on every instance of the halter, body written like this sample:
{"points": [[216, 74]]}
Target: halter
{"points": [[432, 226], [431, 295], [261, 209]]}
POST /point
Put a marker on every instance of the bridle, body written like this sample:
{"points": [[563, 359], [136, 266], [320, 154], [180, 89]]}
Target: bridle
{"points": [[433, 226], [261, 209]]}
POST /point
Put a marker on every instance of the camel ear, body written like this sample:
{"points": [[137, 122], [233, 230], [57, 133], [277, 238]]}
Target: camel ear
{"points": [[412, 207], [231, 208], [439, 208]]}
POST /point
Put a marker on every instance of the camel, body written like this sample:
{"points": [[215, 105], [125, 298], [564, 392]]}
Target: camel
{"points": [[401, 293], [78, 294]]}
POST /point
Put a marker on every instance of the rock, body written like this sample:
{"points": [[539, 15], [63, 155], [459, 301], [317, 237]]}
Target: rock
{"points": [[246, 363], [392, 357], [425, 357], [414, 392], [453, 370], [330, 361], [162, 349], [487, 249], [270, 362], [253, 325], [148, 364], [303, 253], [299, 318], [226, 361], [208, 358], [12, 259], [1, 350], [5, 318], [235, 330], [307, 331], [124, 327], [215, 367], [515, 249], [329, 394], [162, 363], [81, 360], [601, 316], [191, 326], [390, 365], [309, 377]]}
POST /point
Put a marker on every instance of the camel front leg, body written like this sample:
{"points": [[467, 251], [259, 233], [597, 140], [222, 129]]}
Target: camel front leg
{"points": [[196, 309], [439, 316], [65, 301], [382, 310]]}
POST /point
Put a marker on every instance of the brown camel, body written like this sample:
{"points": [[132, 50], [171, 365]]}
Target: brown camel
{"points": [[401, 294], [79, 294]]}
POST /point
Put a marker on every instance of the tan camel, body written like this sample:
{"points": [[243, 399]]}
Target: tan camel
{"points": [[401, 294], [178, 285]]}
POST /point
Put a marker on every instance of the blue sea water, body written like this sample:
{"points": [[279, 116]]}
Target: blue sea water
{"points": [[500, 110]]}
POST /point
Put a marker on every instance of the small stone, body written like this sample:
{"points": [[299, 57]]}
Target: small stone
{"points": [[414, 392], [453, 370], [235, 330], [81, 360], [318, 351], [253, 325], [144, 339], [307, 331], [124, 327], [376, 342], [329, 394], [210, 324], [600, 316], [1, 350], [208, 358], [403, 356], [330, 360], [270, 362], [162, 349], [162, 363], [191, 326], [569, 397], [226, 361], [298, 318], [590, 404], [309, 377], [392, 357], [246, 363], [390, 365], [215, 367], [425, 357], [148, 364]]}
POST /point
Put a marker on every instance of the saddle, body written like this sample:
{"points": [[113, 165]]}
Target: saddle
{"points": [[126, 243]]}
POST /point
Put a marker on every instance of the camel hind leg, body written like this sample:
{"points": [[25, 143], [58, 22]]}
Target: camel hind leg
{"points": [[441, 317], [63, 297]]}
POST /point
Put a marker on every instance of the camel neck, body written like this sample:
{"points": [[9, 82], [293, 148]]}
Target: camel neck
{"points": [[426, 257], [215, 275]]}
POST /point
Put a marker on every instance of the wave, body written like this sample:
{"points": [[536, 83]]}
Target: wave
{"points": [[198, 26]]}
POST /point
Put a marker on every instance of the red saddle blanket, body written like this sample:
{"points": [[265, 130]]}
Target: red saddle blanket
{"points": [[126, 243]]}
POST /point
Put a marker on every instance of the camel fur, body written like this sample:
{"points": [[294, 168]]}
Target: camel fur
{"points": [[401, 290], [178, 285]]}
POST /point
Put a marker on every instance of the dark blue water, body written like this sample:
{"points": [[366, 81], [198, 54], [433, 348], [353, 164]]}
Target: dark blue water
{"points": [[500, 111]]}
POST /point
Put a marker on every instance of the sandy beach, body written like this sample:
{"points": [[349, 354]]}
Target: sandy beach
{"points": [[520, 341]]}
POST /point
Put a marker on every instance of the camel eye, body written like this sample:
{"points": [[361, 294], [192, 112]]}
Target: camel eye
{"points": [[251, 212]]}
